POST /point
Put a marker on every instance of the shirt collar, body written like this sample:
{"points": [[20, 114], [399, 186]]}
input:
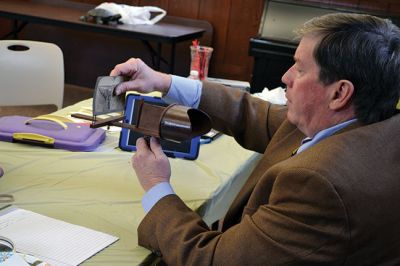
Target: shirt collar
{"points": [[308, 142]]}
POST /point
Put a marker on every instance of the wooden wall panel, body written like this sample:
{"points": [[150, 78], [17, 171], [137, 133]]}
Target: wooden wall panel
{"points": [[243, 24], [347, 3], [319, 1], [5, 26], [98, 2], [217, 13], [389, 7], [234, 23], [374, 5], [395, 7], [160, 3], [184, 8]]}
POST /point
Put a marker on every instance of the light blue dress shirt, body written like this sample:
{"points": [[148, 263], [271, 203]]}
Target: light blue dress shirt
{"points": [[190, 96], [186, 92]]}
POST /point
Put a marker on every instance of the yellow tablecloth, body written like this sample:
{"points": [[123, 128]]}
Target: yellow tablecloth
{"points": [[99, 189]]}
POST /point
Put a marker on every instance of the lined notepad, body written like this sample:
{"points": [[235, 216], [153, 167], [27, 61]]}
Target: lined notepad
{"points": [[52, 240]]}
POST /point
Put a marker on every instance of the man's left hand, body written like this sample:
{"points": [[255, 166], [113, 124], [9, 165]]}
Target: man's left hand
{"points": [[150, 163]]}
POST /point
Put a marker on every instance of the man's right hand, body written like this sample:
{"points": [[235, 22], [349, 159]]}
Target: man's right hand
{"points": [[142, 78]]}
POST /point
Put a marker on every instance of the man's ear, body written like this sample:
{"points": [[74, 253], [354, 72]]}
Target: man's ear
{"points": [[341, 94]]}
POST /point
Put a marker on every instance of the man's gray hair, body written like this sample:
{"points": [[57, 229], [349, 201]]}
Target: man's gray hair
{"points": [[365, 50]]}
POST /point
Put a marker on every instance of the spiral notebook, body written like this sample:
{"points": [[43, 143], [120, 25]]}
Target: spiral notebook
{"points": [[53, 241]]}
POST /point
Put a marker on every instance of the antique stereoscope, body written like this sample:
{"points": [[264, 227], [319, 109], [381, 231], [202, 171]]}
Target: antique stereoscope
{"points": [[172, 122]]}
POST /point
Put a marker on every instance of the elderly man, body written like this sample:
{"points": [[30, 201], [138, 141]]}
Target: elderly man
{"points": [[326, 191]]}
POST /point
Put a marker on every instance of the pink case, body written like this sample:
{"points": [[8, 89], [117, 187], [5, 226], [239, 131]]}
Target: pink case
{"points": [[75, 137]]}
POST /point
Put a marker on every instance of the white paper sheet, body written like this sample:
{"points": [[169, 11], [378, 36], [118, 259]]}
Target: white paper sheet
{"points": [[52, 240]]}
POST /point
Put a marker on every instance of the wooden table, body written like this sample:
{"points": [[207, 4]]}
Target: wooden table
{"points": [[170, 30]]}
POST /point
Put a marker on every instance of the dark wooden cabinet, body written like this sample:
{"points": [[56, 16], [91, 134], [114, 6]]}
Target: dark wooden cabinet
{"points": [[274, 46], [271, 60]]}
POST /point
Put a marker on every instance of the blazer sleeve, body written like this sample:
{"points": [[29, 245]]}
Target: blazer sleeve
{"points": [[250, 120], [302, 222]]}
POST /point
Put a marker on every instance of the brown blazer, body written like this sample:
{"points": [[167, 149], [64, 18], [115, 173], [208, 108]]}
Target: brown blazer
{"points": [[336, 203]]}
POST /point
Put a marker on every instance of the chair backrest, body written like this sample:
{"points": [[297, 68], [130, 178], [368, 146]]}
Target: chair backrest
{"points": [[31, 73]]}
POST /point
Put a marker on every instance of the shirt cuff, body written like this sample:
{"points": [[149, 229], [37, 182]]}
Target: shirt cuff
{"points": [[154, 194], [184, 91]]}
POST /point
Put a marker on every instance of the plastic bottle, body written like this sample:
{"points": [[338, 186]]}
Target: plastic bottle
{"points": [[194, 74]]}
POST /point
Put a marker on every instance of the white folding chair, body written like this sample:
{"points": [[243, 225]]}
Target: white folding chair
{"points": [[31, 74]]}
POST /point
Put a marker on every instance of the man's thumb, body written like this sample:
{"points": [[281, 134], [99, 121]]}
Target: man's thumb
{"points": [[131, 85]]}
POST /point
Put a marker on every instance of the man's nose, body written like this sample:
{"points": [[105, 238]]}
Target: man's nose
{"points": [[286, 78]]}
